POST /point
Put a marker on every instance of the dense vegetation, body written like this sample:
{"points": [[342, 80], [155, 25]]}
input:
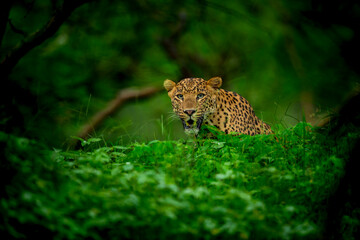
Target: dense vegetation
{"points": [[228, 187], [63, 61]]}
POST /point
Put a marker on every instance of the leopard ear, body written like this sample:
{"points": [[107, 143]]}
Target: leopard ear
{"points": [[169, 85], [215, 82]]}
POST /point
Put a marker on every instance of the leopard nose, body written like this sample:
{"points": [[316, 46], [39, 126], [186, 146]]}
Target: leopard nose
{"points": [[189, 112]]}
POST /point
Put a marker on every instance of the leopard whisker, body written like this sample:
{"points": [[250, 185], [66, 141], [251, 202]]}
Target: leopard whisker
{"points": [[172, 115]]}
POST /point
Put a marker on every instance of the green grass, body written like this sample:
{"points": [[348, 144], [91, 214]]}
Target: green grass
{"points": [[228, 187]]}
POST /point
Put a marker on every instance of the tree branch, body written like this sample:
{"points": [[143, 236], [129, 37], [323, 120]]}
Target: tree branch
{"points": [[37, 38], [122, 97]]}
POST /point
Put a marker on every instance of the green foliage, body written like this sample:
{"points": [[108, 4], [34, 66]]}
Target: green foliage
{"points": [[228, 187]]}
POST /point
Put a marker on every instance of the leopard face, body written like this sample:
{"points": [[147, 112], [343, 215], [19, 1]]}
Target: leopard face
{"points": [[193, 100]]}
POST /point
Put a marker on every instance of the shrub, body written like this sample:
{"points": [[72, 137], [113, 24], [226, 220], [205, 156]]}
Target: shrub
{"points": [[229, 187]]}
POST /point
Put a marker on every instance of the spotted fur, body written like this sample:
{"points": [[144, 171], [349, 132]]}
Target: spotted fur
{"points": [[198, 102]]}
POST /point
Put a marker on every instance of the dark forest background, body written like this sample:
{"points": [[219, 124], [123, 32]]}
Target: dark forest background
{"points": [[64, 61]]}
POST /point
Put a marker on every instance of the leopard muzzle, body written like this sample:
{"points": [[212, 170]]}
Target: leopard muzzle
{"points": [[192, 126]]}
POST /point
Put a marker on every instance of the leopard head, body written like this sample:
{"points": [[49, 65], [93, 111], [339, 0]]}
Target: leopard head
{"points": [[193, 100]]}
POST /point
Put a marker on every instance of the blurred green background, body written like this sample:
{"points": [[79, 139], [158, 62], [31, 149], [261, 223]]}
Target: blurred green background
{"points": [[293, 60]]}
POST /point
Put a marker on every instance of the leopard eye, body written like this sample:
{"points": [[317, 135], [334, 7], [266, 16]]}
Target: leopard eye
{"points": [[200, 95], [180, 96]]}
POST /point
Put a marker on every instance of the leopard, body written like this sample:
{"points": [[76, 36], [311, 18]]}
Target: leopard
{"points": [[199, 102]]}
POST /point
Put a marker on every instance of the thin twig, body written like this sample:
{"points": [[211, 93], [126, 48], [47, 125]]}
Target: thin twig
{"points": [[15, 29]]}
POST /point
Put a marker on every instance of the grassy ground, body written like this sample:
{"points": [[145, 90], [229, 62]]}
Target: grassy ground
{"points": [[262, 187]]}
